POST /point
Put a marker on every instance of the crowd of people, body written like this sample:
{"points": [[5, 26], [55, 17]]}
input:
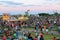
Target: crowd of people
{"points": [[14, 29]]}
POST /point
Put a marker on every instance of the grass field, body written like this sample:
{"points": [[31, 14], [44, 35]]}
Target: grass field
{"points": [[48, 36]]}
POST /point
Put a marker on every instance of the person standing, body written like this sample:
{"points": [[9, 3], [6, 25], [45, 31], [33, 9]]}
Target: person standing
{"points": [[44, 27], [47, 30], [35, 38], [15, 35], [59, 29], [30, 37], [4, 37], [37, 27], [54, 38], [38, 37], [41, 37]]}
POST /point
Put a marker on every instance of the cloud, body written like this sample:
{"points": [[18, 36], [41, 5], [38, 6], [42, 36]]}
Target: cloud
{"points": [[31, 2], [33, 5], [0, 4], [10, 3]]}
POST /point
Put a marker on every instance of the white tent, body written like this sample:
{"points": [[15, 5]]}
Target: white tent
{"points": [[13, 19]]}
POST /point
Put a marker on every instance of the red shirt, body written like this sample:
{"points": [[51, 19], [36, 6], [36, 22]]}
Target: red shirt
{"points": [[54, 38], [12, 25], [4, 38], [48, 25], [35, 38]]}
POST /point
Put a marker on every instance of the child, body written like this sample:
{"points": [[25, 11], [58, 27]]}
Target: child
{"points": [[14, 35], [47, 30], [4, 37], [54, 38]]}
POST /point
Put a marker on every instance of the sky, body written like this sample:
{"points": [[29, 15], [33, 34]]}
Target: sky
{"points": [[35, 6]]}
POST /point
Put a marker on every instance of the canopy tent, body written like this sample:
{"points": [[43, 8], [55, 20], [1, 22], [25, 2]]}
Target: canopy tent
{"points": [[23, 18], [13, 19], [6, 17]]}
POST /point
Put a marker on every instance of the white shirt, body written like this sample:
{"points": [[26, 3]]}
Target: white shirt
{"points": [[38, 37]]}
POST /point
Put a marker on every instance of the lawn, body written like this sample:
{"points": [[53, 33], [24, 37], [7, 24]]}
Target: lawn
{"points": [[48, 36]]}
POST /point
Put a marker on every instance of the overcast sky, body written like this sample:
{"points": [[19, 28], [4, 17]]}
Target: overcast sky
{"points": [[35, 6]]}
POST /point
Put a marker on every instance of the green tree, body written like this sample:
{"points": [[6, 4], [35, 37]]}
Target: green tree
{"points": [[27, 13], [56, 14], [44, 14]]}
